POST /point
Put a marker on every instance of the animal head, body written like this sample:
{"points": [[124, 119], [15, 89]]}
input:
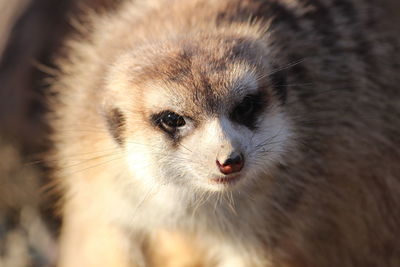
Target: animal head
{"points": [[205, 113]]}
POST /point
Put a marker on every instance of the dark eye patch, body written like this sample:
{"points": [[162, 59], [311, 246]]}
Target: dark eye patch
{"points": [[246, 111], [169, 121]]}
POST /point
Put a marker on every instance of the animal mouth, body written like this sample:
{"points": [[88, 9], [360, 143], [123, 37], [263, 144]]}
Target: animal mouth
{"points": [[229, 180]]}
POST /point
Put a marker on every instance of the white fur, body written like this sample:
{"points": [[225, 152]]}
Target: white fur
{"points": [[161, 201]]}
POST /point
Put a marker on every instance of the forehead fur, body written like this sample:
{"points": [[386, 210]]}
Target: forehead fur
{"points": [[208, 74]]}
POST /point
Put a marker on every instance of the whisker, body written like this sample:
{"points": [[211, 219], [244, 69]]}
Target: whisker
{"points": [[286, 67], [96, 165]]}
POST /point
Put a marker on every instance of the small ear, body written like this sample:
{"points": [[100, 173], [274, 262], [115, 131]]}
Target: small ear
{"points": [[116, 124]]}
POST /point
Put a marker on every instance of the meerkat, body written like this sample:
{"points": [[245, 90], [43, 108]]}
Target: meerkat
{"points": [[256, 133]]}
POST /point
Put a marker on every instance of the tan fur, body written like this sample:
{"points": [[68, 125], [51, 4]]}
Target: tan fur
{"points": [[324, 193], [172, 249]]}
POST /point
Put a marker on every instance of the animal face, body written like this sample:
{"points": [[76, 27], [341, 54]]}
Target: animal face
{"points": [[202, 115]]}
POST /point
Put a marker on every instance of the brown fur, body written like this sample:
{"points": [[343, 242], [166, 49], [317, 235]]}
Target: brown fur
{"points": [[333, 200]]}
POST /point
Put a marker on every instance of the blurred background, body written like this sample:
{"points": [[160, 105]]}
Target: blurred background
{"points": [[31, 34]]}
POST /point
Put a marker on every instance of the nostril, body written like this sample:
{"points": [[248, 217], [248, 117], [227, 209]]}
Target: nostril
{"points": [[232, 161], [231, 165]]}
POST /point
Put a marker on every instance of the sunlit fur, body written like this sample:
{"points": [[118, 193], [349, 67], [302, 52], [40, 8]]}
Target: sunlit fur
{"points": [[320, 184]]}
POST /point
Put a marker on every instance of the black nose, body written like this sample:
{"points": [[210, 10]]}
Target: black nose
{"points": [[232, 164]]}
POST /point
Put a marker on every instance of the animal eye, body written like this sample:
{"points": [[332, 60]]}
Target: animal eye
{"points": [[172, 120], [245, 112], [169, 121], [245, 108]]}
